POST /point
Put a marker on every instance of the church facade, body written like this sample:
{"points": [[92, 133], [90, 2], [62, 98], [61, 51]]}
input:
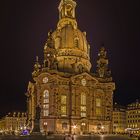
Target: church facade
{"points": [[71, 97]]}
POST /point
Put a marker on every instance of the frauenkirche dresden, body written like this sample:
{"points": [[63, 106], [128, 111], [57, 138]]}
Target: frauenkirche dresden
{"points": [[71, 98]]}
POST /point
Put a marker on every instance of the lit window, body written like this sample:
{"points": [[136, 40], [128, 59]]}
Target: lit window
{"points": [[46, 106], [45, 112], [98, 111], [46, 94], [63, 105], [83, 114], [46, 101], [63, 99], [63, 110], [83, 105], [98, 102], [83, 99], [83, 108]]}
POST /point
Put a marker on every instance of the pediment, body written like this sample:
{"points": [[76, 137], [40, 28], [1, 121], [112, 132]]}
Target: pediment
{"points": [[45, 77], [84, 79]]}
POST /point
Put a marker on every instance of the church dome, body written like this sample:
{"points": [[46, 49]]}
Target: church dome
{"points": [[70, 38], [72, 48]]}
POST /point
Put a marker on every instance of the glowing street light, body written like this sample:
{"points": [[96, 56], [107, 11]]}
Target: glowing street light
{"points": [[102, 127], [74, 126]]}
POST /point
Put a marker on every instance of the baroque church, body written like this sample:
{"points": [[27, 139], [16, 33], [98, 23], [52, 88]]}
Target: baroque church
{"points": [[71, 98]]}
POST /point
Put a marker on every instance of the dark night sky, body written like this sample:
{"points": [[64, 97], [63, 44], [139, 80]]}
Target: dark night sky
{"points": [[23, 32]]}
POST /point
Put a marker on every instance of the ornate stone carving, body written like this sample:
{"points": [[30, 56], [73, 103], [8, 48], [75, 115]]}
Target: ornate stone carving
{"points": [[102, 64]]}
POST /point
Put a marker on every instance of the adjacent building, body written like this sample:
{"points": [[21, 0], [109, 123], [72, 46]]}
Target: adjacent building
{"points": [[119, 119], [71, 97], [13, 121], [133, 118]]}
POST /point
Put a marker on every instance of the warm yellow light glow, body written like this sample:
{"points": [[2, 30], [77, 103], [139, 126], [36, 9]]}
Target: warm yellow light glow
{"points": [[83, 99], [102, 127], [98, 111], [63, 99], [74, 126], [98, 102]]}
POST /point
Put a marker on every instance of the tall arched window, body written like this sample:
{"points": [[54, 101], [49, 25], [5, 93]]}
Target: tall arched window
{"points": [[83, 105], [45, 103]]}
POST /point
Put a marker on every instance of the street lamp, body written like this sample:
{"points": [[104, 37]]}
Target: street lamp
{"points": [[102, 128], [74, 127]]}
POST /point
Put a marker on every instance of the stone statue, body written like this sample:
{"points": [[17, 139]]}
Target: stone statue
{"points": [[38, 111]]}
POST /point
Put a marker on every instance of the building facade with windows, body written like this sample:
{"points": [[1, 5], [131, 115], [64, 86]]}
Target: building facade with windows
{"points": [[71, 97], [133, 118], [13, 121], [119, 119]]}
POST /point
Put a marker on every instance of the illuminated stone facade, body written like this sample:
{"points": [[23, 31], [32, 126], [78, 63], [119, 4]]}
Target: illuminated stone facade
{"points": [[71, 98], [13, 121], [133, 118], [119, 119]]}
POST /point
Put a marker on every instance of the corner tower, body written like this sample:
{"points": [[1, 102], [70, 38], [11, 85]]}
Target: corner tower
{"points": [[72, 47]]}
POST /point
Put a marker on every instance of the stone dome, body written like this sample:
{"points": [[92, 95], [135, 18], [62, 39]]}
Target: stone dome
{"points": [[72, 49], [70, 44]]}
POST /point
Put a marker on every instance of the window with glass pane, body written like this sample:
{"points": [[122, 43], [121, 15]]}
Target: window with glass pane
{"points": [[63, 110], [83, 108], [46, 94], [83, 99], [83, 114], [46, 106], [98, 102], [46, 101], [63, 99], [98, 111], [45, 112]]}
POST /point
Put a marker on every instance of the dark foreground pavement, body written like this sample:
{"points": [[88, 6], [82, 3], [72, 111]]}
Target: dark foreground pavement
{"points": [[60, 137]]}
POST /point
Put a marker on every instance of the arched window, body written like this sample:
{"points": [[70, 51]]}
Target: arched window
{"points": [[76, 42], [46, 103], [46, 94]]}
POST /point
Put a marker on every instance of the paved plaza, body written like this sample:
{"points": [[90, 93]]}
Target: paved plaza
{"points": [[61, 137]]}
